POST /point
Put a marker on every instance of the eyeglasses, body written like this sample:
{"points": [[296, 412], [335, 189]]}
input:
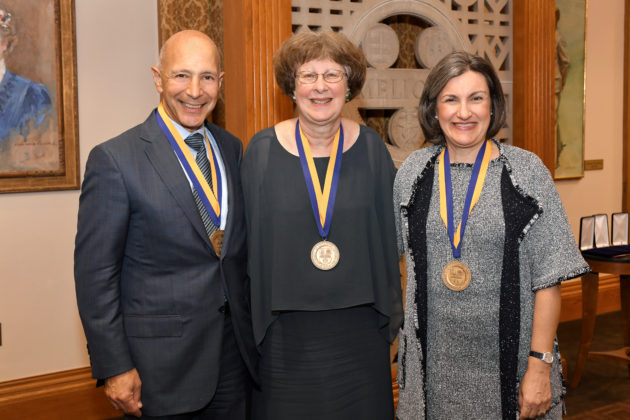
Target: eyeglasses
{"points": [[330, 76]]}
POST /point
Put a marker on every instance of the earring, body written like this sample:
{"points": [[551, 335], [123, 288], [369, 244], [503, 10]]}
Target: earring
{"points": [[348, 96], [293, 98], [435, 116]]}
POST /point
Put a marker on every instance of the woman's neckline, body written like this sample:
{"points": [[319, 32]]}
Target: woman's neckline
{"points": [[277, 140]]}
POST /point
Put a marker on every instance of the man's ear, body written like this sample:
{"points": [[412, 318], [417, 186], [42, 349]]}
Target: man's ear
{"points": [[221, 79], [157, 79]]}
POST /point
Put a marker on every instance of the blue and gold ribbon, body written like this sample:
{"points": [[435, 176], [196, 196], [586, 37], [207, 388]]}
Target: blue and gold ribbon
{"points": [[210, 200], [322, 200], [480, 168]]}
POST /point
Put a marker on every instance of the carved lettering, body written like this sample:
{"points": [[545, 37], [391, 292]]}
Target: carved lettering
{"points": [[393, 88]]}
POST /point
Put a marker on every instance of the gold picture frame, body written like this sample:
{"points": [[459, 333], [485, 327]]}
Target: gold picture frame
{"points": [[42, 154], [570, 83]]}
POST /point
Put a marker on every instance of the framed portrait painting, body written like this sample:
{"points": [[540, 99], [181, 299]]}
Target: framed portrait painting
{"points": [[570, 82], [38, 98]]}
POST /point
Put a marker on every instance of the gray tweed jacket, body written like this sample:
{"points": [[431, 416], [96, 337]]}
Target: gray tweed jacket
{"points": [[539, 252]]}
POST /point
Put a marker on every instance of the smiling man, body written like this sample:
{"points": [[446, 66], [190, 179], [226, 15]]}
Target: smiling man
{"points": [[160, 255]]}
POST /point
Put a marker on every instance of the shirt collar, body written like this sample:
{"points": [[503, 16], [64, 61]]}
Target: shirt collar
{"points": [[185, 132]]}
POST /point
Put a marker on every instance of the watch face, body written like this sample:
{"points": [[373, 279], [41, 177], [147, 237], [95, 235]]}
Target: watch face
{"points": [[547, 357]]}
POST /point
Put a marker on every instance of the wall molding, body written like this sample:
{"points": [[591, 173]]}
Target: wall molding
{"points": [[608, 299], [46, 385]]}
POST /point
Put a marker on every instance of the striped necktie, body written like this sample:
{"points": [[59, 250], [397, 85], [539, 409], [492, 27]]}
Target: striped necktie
{"points": [[196, 141]]}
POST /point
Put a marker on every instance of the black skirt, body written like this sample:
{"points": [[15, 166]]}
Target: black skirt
{"points": [[324, 365]]}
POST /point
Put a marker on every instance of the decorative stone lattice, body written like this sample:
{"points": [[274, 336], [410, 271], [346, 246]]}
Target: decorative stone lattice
{"points": [[391, 93]]}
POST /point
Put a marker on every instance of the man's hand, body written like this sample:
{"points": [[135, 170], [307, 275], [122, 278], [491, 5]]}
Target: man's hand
{"points": [[123, 392], [534, 394]]}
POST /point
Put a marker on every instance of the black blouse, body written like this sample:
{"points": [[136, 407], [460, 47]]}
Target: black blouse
{"points": [[281, 232]]}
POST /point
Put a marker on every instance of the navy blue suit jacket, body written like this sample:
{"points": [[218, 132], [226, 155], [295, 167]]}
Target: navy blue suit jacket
{"points": [[149, 284]]}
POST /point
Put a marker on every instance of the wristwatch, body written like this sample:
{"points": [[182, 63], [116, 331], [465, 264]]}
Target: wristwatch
{"points": [[545, 357]]}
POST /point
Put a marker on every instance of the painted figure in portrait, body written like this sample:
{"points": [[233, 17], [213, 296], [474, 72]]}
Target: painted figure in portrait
{"points": [[23, 103], [28, 137]]}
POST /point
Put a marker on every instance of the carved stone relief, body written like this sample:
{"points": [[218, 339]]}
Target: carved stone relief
{"points": [[402, 41]]}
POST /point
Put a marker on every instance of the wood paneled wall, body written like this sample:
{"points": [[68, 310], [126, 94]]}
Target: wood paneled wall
{"points": [[534, 101], [253, 31], [625, 205]]}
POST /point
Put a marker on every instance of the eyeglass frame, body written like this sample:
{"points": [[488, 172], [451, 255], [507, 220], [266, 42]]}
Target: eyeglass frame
{"points": [[342, 73]]}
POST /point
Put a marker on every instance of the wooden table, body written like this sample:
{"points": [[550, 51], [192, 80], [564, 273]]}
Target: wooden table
{"points": [[600, 264]]}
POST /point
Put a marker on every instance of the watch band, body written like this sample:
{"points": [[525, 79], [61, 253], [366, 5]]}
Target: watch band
{"points": [[546, 357]]}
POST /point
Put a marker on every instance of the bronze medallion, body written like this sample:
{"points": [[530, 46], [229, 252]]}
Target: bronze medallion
{"points": [[325, 255], [456, 276], [216, 238]]}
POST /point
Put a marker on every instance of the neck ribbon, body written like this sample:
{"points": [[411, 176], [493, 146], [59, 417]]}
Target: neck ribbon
{"points": [[322, 200], [480, 168], [211, 198]]}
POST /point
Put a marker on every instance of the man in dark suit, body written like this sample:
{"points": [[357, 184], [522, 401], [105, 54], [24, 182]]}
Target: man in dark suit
{"points": [[160, 256]]}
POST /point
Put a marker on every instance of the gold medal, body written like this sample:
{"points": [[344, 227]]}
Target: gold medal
{"points": [[456, 276], [217, 241], [325, 255]]}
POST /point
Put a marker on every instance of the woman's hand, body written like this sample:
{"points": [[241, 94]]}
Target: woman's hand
{"points": [[534, 394]]}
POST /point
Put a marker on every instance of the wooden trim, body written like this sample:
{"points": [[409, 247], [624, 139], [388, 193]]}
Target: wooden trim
{"points": [[625, 204], [70, 394], [533, 74], [45, 385], [252, 99], [608, 299]]}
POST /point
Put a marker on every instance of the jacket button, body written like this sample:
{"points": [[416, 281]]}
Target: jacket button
{"points": [[225, 308]]}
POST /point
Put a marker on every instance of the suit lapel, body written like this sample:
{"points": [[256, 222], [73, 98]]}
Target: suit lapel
{"points": [[165, 162]]}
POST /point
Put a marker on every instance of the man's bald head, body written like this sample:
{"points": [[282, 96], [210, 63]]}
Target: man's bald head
{"points": [[183, 37], [188, 77]]}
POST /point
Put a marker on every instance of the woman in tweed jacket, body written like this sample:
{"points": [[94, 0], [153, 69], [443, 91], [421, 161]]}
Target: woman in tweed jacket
{"points": [[482, 307]]}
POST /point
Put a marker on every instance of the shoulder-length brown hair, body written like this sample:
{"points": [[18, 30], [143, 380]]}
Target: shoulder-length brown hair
{"points": [[453, 65], [306, 46]]}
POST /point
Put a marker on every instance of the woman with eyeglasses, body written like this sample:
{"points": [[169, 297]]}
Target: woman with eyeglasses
{"points": [[325, 283]]}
